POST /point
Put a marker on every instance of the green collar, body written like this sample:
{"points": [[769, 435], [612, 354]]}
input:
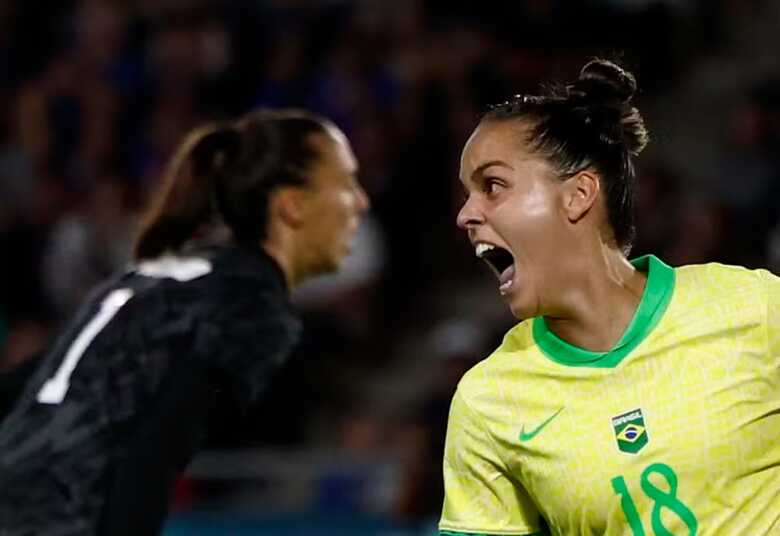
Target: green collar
{"points": [[656, 297]]}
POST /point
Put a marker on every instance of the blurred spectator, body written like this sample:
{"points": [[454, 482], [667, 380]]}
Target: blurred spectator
{"points": [[700, 234], [88, 244], [454, 346], [749, 175], [658, 205], [282, 74], [26, 339]]}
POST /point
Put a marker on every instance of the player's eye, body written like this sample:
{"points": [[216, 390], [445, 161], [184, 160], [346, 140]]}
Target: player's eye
{"points": [[491, 185]]}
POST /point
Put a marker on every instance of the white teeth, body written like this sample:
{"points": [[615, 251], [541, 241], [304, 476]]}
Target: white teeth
{"points": [[483, 248]]}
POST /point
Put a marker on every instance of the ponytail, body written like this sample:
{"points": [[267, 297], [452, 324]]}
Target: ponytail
{"points": [[226, 172], [188, 196]]}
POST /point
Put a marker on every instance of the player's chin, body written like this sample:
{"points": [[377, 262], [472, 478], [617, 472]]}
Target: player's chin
{"points": [[521, 309], [336, 260]]}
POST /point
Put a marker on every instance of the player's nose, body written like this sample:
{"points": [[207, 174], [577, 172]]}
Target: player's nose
{"points": [[469, 215], [363, 201]]}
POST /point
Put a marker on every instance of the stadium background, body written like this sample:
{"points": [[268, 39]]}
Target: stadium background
{"points": [[94, 95]]}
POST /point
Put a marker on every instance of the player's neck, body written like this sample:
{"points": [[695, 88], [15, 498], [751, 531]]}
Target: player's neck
{"points": [[601, 303], [282, 258]]}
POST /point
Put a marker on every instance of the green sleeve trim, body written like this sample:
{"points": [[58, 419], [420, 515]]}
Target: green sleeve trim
{"points": [[652, 306]]}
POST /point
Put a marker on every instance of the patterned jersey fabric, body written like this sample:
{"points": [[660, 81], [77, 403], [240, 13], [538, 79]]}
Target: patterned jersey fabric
{"points": [[126, 395], [676, 430]]}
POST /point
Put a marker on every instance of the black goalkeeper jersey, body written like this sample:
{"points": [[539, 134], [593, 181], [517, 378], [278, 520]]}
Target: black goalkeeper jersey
{"points": [[126, 395]]}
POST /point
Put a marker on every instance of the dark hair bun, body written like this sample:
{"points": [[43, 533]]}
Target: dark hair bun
{"points": [[604, 92], [602, 80]]}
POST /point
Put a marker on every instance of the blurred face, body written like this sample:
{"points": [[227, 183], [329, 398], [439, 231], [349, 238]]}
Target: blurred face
{"points": [[513, 214], [333, 205]]}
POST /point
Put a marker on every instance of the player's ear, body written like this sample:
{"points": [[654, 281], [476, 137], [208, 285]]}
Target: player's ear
{"points": [[288, 204], [580, 193]]}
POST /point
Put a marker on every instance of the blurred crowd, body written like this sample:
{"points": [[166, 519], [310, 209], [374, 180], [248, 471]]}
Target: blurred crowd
{"points": [[94, 96]]}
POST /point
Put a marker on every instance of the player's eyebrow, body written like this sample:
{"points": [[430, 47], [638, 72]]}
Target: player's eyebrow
{"points": [[482, 167]]}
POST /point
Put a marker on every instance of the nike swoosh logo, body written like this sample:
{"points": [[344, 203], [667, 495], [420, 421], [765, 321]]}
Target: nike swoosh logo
{"points": [[527, 436]]}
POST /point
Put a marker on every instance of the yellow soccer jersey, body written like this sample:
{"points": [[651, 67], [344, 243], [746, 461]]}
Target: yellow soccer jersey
{"points": [[676, 431]]}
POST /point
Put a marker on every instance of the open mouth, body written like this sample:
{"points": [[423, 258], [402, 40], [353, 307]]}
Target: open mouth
{"points": [[500, 261]]}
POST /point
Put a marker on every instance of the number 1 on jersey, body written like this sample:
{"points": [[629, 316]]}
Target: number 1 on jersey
{"points": [[629, 508], [56, 387], [168, 266]]}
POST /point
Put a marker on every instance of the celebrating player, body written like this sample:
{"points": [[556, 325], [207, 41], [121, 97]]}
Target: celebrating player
{"points": [[188, 335], [633, 398]]}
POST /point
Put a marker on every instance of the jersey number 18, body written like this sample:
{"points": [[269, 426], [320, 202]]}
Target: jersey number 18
{"points": [[661, 499]]}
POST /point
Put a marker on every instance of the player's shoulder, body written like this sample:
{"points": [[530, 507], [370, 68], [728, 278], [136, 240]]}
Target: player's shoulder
{"points": [[708, 290], [502, 363], [234, 264], [214, 283], [217, 274], [720, 279], [246, 283]]}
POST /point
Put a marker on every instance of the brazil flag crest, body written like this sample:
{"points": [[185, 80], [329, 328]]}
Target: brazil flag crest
{"points": [[630, 431]]}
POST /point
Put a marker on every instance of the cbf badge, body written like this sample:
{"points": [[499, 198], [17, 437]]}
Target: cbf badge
{"points": [[630, 431]]}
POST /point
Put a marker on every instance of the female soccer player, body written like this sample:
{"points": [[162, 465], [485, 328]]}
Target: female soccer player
{"points": [[632, 398], [189, 334]]}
